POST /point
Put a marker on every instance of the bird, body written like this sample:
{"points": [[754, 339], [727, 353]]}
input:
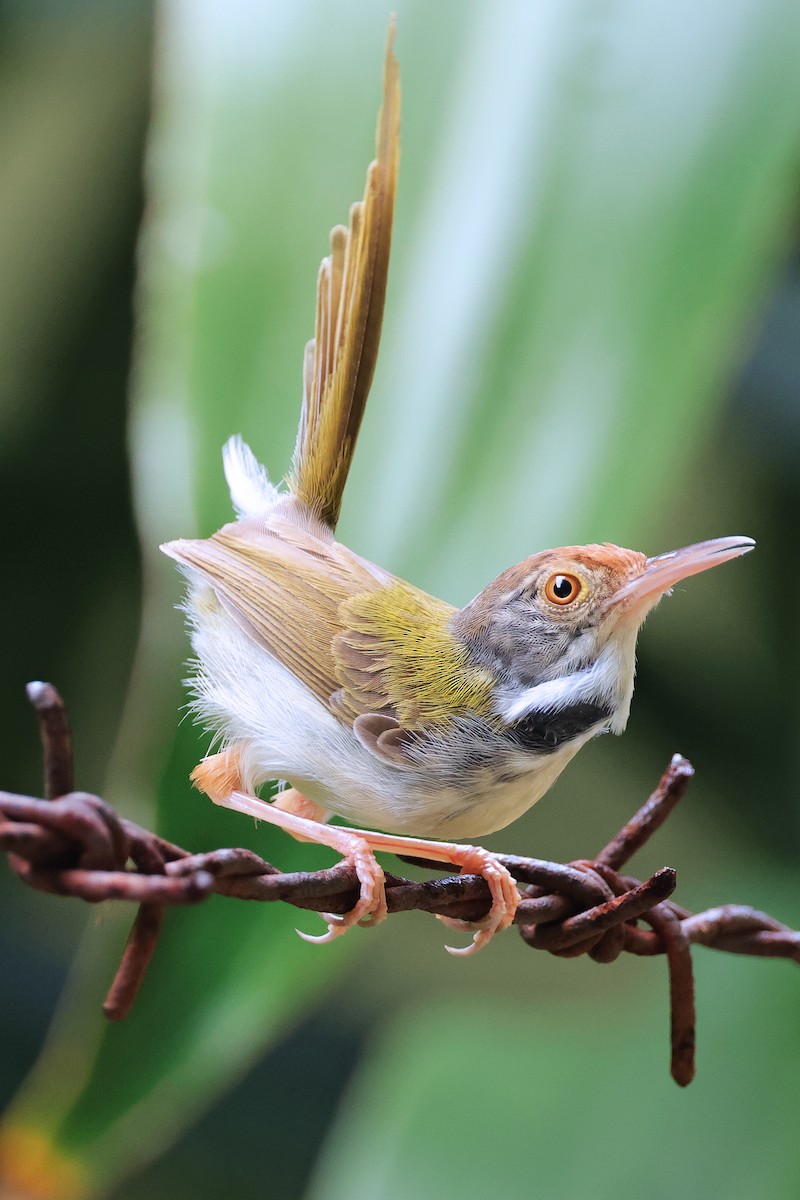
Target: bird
{"points": [[420, 723]]}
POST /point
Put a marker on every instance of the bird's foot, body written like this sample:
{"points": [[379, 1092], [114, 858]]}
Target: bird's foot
{"points": [[505, 899], [472, 860], [371, 906]]}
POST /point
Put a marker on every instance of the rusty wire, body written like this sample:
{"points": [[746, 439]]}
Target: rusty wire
{"points": [[74, 844]]}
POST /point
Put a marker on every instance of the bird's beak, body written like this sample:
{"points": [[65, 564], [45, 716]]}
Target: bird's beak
{"points": [[665, 570]]}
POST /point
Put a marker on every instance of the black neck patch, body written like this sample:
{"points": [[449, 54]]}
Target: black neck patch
{"points": [[545, 732]]}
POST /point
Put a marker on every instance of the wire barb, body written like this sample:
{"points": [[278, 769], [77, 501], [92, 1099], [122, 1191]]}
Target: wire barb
{"points": [[74, 844]]}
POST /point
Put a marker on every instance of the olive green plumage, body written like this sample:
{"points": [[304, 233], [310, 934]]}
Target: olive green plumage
{"points": [[398, 649]]}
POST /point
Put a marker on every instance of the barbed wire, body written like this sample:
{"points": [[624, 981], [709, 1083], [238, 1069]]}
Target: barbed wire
{"points": [[74, 844]]}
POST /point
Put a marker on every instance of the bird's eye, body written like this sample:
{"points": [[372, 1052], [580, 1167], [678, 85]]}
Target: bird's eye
{"points": [[562, 589]]}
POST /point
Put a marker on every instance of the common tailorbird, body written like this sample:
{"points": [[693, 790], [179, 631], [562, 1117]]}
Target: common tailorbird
{"points": [[371, 699]]}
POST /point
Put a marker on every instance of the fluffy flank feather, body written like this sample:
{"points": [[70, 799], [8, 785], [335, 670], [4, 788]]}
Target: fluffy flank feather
{"points": [[249, 484]]}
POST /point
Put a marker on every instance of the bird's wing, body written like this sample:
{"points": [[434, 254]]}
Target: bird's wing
{"points": [[396, 654], [340, 360], [284, 587], [376, 651], [401, 670]]}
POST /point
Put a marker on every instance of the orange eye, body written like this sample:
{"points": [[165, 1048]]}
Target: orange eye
{"points": [[562, 589]]}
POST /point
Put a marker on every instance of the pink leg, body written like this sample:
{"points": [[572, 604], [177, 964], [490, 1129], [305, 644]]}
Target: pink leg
{"points": [[220, 777], [371, 906], [291, 801]]}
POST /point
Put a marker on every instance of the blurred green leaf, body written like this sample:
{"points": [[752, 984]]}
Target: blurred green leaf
{"points": [[593, 220], [462, 1100], [610, 195]]}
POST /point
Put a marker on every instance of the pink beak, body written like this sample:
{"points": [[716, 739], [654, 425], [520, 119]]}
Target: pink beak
{"points": [[665, 570]]}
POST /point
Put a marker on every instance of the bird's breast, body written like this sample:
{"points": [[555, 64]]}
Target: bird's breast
{"points": [[480, 777], [487, 798]]}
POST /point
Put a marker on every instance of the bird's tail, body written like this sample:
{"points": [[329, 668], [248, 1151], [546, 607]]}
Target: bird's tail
{"points": [[340, 359]]}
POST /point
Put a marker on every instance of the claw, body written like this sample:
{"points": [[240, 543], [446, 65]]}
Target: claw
{"points": [[505, 898], [321, 939], [370, 908]]}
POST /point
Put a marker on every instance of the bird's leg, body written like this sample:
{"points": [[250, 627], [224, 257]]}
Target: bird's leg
{"points": [[219, 774], [291, 801], [220, 777], [472, 860], [371, 906]]}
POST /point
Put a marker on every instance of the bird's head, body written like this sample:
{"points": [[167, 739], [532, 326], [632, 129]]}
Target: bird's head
{"points": [[559, 629]]}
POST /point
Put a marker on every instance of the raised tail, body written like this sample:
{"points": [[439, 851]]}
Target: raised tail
{"points": [[340, 359]]}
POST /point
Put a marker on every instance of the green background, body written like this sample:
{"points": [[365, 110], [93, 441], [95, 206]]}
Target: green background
{"points": [[591, 333]]}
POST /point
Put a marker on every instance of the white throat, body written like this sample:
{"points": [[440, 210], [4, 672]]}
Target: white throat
{"points": [[608, 681]]}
